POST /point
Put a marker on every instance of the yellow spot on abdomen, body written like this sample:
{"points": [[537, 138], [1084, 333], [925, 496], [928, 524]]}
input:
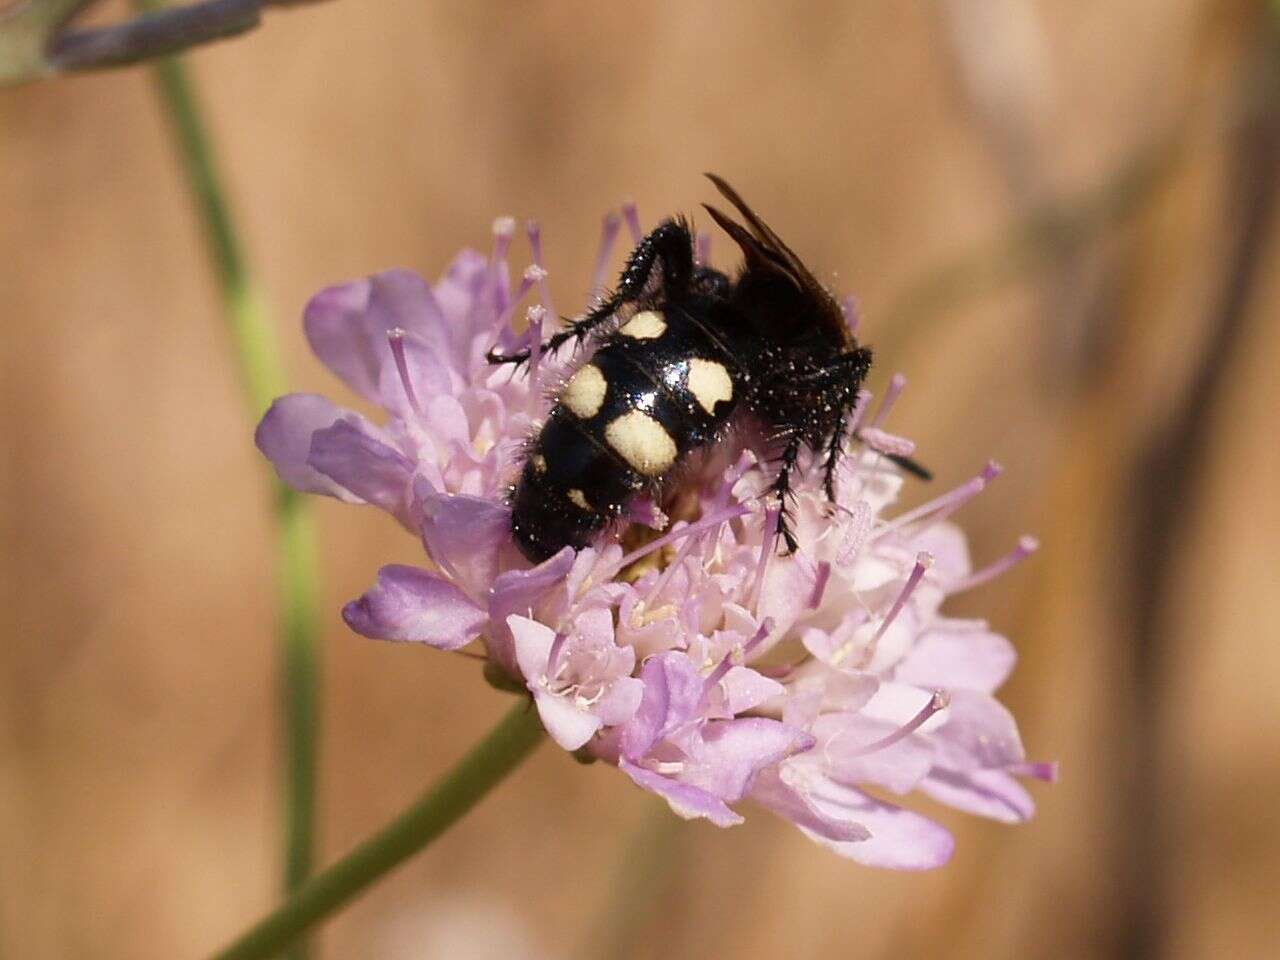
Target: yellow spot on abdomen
{"points": [[710, 383], [584, 393], [579, 499], [645, 325], [642, 442]]}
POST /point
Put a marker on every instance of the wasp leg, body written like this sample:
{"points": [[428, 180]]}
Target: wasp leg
{"points": [[910, 465], [835, 449], [669, 243], [839, 381], [782, 490]]}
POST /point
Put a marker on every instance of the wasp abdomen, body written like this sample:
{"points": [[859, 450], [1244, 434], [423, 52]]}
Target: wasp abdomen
{"points": [[654, 391]]}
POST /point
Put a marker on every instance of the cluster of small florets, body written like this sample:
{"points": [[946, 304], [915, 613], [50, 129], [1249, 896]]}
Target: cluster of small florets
{"points": [[706, 665]]}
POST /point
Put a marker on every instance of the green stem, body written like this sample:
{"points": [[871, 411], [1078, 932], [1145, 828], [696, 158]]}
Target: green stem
{"points": [[258, 355], [299, 628], [444, 804]]}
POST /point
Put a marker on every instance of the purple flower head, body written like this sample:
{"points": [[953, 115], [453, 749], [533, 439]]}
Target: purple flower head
{"points": [[705, 665]]}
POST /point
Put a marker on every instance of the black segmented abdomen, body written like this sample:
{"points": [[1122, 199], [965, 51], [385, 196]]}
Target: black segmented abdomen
{"points": [[658, 387]]}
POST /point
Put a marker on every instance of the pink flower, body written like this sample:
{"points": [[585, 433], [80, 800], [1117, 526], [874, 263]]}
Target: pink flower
{"points": [[706, 666], [581, 681]]}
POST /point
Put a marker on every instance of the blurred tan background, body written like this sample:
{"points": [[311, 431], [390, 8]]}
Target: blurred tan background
{"points": [[1057, 216]]}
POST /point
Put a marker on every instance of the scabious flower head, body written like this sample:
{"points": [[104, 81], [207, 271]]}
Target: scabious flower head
{"points": [[705, 665]]}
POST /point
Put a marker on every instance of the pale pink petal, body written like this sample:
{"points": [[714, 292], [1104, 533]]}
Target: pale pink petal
{"points": [[520, 591], [567, 724], [334, 321], [284, 437], [987, 793], [745, 689], [461, 284], [620, 702], [957, 655], [413, 605], [771, 791], [464, 534], [900, 839], [595, 627], [844, 739], [949, 547], [446, 420], [672, 689], [727, 754], [533, 642], [356, 458], [979, 733], [688, 801], [898, 703]]}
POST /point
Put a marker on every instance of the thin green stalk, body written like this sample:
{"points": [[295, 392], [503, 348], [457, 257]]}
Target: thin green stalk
{"points": [[258, 355], [439, 808]]}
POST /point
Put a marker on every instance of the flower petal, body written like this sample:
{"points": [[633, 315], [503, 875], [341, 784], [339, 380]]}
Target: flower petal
{"points": [[745, 689], [520, 591], [414, 605], [595, 626], [620, 702], [770, 790], [352, 455], [567, 724], [958, 655], [979, 733], [672, 690], [727, 754], [843, 740], [897, 704], [533, 642], [688, 801], [464, 534], [334, 321], [460, 284], [987, 793], [948, 546], [900, 839], [284, 437]]}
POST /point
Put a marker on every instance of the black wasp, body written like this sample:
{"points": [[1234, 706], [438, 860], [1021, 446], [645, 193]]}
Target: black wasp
{"points": [[688, 350]]}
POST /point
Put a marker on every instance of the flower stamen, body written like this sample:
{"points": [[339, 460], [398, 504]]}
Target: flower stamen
{"points": [[896, 384], [852, 316], [702, 249], [821, 578], [504, 228], [535, 315], [699, 526], [939, 508], [924, 561], [665, 577], [940, 700], [1025, 548], [554, 655], [632, 216], [609, 227], [766, 551], [727, 661], [395, 340], [532, 274], [1042, 771], [534, 233]]}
